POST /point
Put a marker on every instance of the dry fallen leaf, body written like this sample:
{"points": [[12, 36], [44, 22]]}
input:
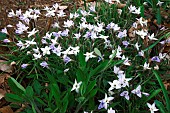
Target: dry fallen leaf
{"points": [[166, 84], [5, 67], [3, 83], [3, 77], [63, 7], [2, 93], [20, 109], [121, 5], [6, 109], [131, 32]]}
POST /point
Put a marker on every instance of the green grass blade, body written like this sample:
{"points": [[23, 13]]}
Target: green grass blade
{"points": [[15, 86], [153, 94], [158, 16], [163, 90], [160, 106]]}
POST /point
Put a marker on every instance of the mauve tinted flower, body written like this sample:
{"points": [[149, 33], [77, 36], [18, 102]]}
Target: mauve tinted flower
{"points": [[56, 34], [104, 102], [65, 32], [162, 42], [88, 34], [125, 43], [6, 40], [43, 41], [108, 26], [156, 58], [122, 34], [23, 66], [44, 64], [20, 44], [99, 59], [67, 59], [101, 105], [18, 31], [110, 110], [125, 94], [52, 46], [141, 53], [137, 91], [4, 30]]}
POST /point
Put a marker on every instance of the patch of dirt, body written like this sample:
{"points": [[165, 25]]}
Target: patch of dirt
{"points": [[7, 5]]}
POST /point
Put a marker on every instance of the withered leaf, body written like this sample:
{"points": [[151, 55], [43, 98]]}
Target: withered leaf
{"points": [[63, 7], [3, 77], [6, 109], [5, 67]]}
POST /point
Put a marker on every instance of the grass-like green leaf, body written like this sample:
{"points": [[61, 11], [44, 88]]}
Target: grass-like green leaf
{"points": [[56, 93], [13, 98], [15, 86], [80, 75], [98, 52], [82, 61], [163, 90], [99, 68], [65, 103], [142, 11], [160, 106], [153, 94], [82, 89], [29, 91], [158, 16], [90, 86], [93, 93], [40, 101], [2, 36]]}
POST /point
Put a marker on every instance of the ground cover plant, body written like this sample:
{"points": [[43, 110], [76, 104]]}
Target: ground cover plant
{"points": [[102, 57]]}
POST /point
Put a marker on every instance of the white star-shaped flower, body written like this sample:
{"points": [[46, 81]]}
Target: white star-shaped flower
{"points": [[142, 22], [74, 50], [50, 13], [123, 80], [142, 33], [68, 23], [136, 11], [89, 55], [146, 66], [104, 102], [132, 8], [137, 46], [110, 110], [152, 107], [46, 50], [114, 85], [126, 60], [37, 56], [117, 70], [159, 3], [30, 33], [76, 86], [152, 37], [28, 43]]}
